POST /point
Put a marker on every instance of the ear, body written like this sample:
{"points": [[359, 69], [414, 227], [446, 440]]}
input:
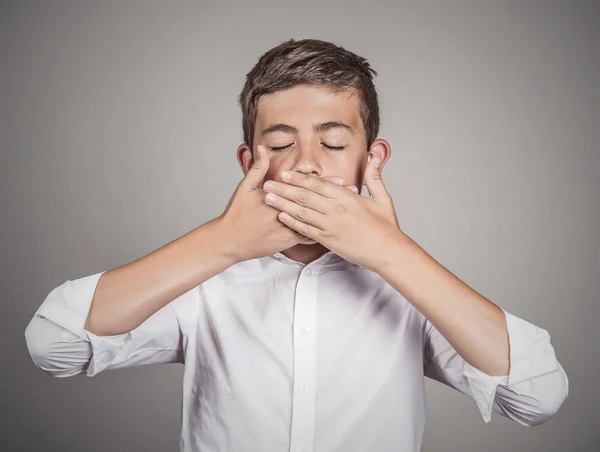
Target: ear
{"points": [[380, 148], [245, 157]]}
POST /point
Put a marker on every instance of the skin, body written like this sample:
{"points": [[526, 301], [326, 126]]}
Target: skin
{"points": [[301, 107], [364, 230]]}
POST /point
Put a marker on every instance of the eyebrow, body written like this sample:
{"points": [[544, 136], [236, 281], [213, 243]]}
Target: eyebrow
{"points": [[321, 127]]}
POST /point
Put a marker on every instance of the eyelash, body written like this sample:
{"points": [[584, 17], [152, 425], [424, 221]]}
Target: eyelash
{"points": [[333, 148]]}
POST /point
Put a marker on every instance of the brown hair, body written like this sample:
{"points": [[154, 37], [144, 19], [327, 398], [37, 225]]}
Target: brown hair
{"points": [[312, 62]]}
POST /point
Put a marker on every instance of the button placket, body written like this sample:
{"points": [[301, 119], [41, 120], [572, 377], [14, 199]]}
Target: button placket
{"points": [[303, 404]]}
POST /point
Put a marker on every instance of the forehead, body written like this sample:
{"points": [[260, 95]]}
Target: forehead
{"points": [[306, 104]]}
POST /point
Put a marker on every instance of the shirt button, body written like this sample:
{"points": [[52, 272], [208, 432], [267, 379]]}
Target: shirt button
{"points": [[303, 389], [305, 327]]}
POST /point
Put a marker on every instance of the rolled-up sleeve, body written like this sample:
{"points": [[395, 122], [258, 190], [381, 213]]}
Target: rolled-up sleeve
{"points": [[59, 344], [530, 394]]}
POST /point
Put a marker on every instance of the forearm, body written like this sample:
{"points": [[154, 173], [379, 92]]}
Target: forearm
{"points": [[128, 295], [473, 325]]}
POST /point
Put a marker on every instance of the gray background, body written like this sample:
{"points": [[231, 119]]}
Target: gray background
{"points": [[118, 130]]}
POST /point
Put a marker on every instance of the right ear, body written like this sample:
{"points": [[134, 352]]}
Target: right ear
{"points": [[245, 157]]}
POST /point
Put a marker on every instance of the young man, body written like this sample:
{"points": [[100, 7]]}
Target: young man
{"points": [[308, 322]]}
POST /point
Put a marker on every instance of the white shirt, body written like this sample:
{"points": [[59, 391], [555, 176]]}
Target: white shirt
{"points": [[282, 356]]}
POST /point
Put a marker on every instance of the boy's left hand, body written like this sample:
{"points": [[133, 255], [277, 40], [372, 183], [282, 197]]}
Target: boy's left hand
{"points": [[362, 230]]}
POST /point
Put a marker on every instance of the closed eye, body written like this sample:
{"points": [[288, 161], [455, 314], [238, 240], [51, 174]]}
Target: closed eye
{"points": [[334, 148], [280, 147]]}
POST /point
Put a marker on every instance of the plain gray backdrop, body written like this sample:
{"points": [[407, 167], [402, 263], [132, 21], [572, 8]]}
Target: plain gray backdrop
{"points": [[119, 126]]}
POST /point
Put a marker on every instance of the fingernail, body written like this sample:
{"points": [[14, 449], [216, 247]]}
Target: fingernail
{"points": [[376, 162], [338, 180]]}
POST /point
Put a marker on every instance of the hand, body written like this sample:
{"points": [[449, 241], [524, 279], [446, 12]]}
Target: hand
{"points": [[250, 224], [356, 227]]}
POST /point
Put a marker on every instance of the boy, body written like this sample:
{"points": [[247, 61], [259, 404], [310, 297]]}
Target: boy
{"points": [[310, 321]]}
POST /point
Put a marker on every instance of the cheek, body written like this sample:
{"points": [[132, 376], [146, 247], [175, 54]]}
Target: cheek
{"points": [[274, 173], [352, 173], [276, 167], [347, 163]]}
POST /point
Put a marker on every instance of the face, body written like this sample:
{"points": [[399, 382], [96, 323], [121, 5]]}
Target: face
{"points": [[314, 131]]}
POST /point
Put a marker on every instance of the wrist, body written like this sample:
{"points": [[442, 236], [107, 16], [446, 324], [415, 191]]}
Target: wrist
{"points": [[397, 245], [225, 241]]}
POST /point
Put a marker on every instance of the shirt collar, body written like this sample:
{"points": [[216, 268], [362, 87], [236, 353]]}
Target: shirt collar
{"points": [[326, 261]]}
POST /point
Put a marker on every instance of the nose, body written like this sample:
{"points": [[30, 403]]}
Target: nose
{"points": [[306, 160]]}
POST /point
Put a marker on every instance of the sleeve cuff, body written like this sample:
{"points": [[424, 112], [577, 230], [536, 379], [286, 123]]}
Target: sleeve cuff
{"points": [[531, 354], [105, 350], [483, 388], [68, 304]]}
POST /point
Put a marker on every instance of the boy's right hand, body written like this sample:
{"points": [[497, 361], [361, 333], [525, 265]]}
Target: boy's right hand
{"points": [[250, 224]]}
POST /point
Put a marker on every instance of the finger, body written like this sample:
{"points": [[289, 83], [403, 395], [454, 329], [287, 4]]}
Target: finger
{"points": [[374, 182], [305, 229], [341, 181], [258, 170], [320, 185], [336, 180], [306, 213]]}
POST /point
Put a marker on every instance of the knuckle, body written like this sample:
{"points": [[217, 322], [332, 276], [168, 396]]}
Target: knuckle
{"points": [[302, 213], [305, 229], [303, 197], [327, 234], [340, 208]]}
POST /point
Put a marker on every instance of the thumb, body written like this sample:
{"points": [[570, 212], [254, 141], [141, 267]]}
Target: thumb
{"points": [[257, 172], [373, 179]]}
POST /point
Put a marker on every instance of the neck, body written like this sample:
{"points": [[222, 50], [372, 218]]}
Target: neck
{"points": [[305, 253]]}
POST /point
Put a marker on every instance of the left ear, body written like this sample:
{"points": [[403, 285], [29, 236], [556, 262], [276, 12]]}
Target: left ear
{"points": [[379, 148]]}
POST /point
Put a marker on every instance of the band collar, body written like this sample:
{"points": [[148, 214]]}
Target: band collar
{"points": [[324, 262]]}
